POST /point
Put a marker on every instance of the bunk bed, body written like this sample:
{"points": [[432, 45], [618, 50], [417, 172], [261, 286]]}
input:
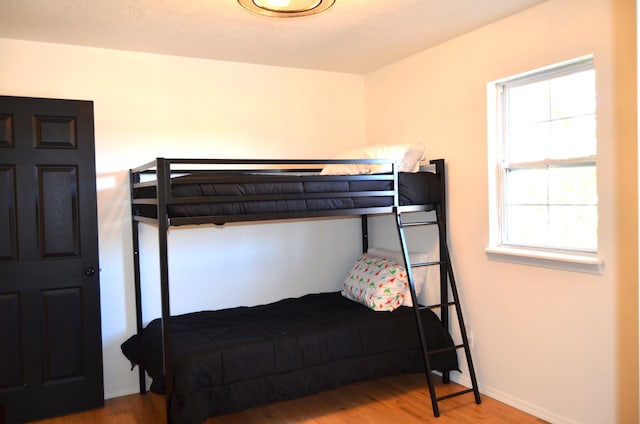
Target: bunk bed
{"points": [[215, 362]]}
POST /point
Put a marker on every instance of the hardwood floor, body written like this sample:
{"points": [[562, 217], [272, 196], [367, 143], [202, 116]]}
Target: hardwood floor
{"points": [[394, 400]]}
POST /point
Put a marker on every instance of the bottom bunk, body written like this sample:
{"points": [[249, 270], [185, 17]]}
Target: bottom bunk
{"points": [[233, 359]]}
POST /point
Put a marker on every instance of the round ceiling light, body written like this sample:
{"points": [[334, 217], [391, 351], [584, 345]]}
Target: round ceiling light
{"points": [[286, 8]]}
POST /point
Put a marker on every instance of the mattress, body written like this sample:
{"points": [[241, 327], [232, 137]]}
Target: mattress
{"points": [[229, 360], [229, 194]]}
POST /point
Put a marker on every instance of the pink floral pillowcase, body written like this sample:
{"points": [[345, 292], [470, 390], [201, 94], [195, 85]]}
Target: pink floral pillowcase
{"points": [[377, 282]]}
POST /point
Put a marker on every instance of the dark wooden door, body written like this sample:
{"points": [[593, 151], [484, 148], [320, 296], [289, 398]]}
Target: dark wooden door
{"points": [[50, 338]]}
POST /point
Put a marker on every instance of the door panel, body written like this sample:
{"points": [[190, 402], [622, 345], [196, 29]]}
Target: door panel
{"points": [[58, 211], [55, 132], [49, 307], [6, 130], [62, 334], [9, 241], [11, 356]]}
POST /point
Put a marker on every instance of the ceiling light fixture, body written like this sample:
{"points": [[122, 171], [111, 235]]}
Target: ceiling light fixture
{"points": [[286, 8]]}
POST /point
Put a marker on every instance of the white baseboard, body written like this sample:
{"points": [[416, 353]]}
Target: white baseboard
{"points": [[515, 402], [125, 391]]}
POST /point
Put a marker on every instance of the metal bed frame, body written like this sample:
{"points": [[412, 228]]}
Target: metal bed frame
{"points": [[158, 174]]}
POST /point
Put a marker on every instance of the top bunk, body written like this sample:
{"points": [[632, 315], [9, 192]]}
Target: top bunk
{"points": [[216, 191]]}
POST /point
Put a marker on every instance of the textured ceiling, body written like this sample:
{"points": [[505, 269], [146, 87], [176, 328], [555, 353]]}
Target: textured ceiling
{"points": [[354, 36]]}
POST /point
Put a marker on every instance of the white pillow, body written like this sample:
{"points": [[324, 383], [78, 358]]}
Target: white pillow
{"points": [[376, 282], [419, 273], [406, 157]]}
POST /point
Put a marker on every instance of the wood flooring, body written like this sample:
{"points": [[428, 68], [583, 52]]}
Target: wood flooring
{"points": [[393, 400]]}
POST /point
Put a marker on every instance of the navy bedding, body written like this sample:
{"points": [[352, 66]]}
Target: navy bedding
{"points": [[229, 360], [241, 194]]}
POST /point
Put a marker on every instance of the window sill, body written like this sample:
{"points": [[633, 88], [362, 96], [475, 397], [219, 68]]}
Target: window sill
{"points": [[565, 261]]}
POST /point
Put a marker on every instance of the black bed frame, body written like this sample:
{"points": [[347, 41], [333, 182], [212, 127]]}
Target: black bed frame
{"points": [[159, 173]]}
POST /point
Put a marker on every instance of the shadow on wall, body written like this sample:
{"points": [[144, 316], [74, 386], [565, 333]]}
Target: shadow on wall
{"points": [[116, 277]]}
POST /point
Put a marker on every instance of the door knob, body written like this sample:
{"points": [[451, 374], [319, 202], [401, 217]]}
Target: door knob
{"points": [[89, 272]]}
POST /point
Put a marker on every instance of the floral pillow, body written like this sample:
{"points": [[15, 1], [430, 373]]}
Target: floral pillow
{"points": [[377, 282], [419, 273]]}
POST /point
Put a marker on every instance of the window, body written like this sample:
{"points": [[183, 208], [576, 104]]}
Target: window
{"points": [[544, 170]]}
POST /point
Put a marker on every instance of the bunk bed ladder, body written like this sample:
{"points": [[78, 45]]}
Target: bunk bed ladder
{"points": [[447, 282]]}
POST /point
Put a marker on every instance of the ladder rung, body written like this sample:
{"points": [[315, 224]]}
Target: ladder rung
{"points": [[437, 305], [445, 349], [417, 224], [421, 264], [450, 395]]}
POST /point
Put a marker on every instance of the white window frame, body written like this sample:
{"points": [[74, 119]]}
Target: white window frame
{"points": [[583, 261]]}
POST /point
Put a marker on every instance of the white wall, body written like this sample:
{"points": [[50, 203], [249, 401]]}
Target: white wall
{"points": [[560, 344], [150, 105], [552, 342]]}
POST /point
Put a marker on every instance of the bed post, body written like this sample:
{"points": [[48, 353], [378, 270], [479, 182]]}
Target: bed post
{"points": [[133, 179], [162, 178], [365, 233], [441, 216]]}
